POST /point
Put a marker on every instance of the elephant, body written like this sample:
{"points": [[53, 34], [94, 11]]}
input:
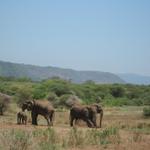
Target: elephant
{"points": [[40, 107], [86, 113], [21, 118]]}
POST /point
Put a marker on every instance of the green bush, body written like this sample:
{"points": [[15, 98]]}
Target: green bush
{"points": [[39, 92], [23, 94], [146, 111], [116, 102], [53, 98], [117, 91], [110, 94]]}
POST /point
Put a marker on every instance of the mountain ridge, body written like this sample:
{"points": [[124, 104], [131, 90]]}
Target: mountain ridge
{"points": [[133, 78], [38, 73]]}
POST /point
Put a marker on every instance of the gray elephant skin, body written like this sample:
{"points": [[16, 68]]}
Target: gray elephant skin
{"points": [[86, 113], [21, 118], [40, 107]]}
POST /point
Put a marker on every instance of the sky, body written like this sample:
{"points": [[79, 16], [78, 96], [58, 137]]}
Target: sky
{"points": [[102, 35]]}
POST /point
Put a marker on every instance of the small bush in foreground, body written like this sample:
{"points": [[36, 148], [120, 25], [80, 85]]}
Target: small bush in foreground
{"points": [[146, 111]]}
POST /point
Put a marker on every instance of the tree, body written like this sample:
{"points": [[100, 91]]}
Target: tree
{"points": [[68, 100], [117, 91], [53, 98], [23, 95]]}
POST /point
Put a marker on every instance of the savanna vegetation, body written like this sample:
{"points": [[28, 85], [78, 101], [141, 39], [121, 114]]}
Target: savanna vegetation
{"points": [[58, 91], [126, 123]]}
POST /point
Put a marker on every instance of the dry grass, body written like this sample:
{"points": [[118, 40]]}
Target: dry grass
{"points": [[123, 129]]}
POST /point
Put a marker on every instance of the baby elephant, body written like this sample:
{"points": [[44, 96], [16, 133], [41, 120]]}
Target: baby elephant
{"points": [[21, 117]]}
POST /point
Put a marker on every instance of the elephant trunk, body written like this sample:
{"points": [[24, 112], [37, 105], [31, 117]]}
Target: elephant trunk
{"points": [[101, 117]]}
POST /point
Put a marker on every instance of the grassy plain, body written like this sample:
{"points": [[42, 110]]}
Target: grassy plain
{"points": [[123, 128]]}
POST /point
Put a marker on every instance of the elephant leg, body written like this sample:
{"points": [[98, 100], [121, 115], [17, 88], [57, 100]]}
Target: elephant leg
{"points": [[18, 120], [34, 118], [87, 118], [47, 118], [21, 120], [88, 122], [51, 118], [71, 120], [25, 120], [76, 121], [93, 120]]}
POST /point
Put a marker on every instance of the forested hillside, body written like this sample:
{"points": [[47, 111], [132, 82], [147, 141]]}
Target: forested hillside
{"points": [[38, 73]]}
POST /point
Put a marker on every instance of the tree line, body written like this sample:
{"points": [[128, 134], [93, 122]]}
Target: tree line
{"points": [[58, 91]]}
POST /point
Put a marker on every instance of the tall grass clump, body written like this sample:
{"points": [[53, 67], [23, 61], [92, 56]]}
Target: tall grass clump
{"points": [[47, 139], [80, 138], [15, 140], [107, 136], [76, 138]]}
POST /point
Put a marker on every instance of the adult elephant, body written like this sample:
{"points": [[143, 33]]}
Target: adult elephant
{"points": [[86, 113], [39, 107]]}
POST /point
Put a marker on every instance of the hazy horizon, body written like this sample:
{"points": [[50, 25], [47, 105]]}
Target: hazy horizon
{"points": [[95, 35]]}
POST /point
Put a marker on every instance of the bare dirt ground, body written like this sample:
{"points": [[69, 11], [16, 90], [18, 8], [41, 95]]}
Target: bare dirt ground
{"points": [[133, 128]]}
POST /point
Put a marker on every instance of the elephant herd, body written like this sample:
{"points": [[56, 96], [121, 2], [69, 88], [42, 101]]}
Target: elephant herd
{"points": [[86, 113]]}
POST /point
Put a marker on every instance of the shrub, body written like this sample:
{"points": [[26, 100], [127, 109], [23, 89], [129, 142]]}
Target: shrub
{"points": [[39, 92], [53, 98], [59, 87], [50, 140], [116, 102], [117, 91], [4, 103], [76, 138], [107, 136], [146, 111], [68, 100], [23, 94], [15, 140]]}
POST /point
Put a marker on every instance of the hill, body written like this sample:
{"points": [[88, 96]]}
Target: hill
{"points": [[38, 73], [135, 79]]}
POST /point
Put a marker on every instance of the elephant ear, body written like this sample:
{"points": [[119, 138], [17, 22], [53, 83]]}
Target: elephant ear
{"points": [[24, 106], [29, 105], [100, 111], [29, 102], [98, 108]]}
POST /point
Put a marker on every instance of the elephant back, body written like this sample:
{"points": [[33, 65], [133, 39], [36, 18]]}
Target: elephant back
{"points": [[21, 113], [79, 111], [43, 106]]}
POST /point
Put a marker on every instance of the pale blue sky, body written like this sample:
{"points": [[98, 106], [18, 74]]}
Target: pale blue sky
{"points": [[104, 35]]}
